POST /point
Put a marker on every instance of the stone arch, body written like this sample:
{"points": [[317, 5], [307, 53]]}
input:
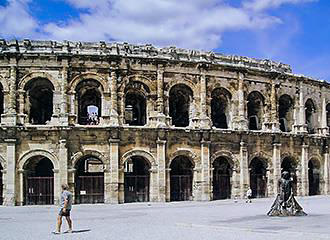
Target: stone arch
{"points": [[34, 75], [183, 152], [288, 155], [78, 155], [265, 158], [233, 161], [141, 153], [85, 76], [220, 107], [311, 111], [186, 82], [37, 152], [137, 78]]}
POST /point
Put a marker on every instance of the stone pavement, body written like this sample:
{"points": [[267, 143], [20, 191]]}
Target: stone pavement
{"points": [[177, 220]]}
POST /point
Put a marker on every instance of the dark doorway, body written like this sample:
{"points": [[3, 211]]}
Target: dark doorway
{"points": [[285, 108], [137, 102], [137, 175], [258, 178], [89, 102], [181, 179], [289, 166], [1, 186], [179, 105], [255, 103], [220, 107], [89, 180], [40, 100], [39, 181], [309, 114], [221, 179], [314, 177]]}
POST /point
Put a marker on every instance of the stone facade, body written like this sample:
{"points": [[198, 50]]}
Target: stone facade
{"points": [[206, 126]]}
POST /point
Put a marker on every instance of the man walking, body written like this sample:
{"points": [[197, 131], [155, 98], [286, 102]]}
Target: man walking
{"points": [[66, 204]]}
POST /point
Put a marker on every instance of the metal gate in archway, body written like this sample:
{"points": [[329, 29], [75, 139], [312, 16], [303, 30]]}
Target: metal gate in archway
{"points": [[90, 189], [181, 187], [221, 186], [136, 188], [39, 190], [258, 184]]}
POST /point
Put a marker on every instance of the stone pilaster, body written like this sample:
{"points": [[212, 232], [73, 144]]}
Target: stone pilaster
{"points": [[205, 121], [73, 112], [239, 120], [244, 177], [326, 171], [205, 171], [154, 188], [114, 171], [274, 121], [10, 196], [10, 117], [114, 121], [63, 159], [276, 166], [161, 160], [63, 117], [301, 126], [235, 189], [71, 181], [168, 184], [57, 186], [22, 117], [323, 130], [20, 200], [304, 170]]}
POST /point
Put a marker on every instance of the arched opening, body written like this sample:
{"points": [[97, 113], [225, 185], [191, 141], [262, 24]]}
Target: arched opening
{"points": [[39, 181], [285, 108], [89, 180], [255, 110], [137, 180], [1, 101], [314, 177], [39, 102], [1, 185], [89, 102], [222, 172], [179, 105], [136, 109], [289, 166], [309, 115], [328, 116], [181, 177], [220, 107], [258, 178]]}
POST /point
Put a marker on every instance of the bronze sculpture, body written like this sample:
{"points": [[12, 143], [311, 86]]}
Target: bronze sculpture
{"points": [[285, 203]]}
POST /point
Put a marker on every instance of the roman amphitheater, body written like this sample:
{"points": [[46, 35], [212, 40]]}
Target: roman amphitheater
{"points": [[126, 123]]}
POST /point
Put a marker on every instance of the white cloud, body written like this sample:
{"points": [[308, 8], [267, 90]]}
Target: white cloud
{"points": [[196, 24], [260, 5], [15, 20], [190, 24]]}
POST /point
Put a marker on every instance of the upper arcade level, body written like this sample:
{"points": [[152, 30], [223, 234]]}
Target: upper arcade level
{"points": [[47, 84]]}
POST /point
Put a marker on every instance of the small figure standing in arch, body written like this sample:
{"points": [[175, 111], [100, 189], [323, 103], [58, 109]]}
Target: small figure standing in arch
{"points": [[285, 204]]}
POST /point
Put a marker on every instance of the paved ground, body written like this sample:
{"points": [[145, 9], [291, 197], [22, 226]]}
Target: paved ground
{"points": [[178, 220]]}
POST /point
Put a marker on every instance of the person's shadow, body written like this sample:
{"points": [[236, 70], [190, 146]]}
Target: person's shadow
{"points": [[79, 231]]}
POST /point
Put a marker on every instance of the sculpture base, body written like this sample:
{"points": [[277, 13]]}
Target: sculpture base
{"points": [[285, 209]]}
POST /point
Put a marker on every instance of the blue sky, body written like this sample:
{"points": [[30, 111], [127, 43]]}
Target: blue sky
{"points": [[296, 32]]}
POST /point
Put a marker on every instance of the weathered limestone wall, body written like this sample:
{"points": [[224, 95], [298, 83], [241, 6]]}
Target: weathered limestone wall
{"points": [[152, 72]]}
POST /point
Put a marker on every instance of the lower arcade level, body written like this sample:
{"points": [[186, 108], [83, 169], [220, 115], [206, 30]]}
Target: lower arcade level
{"points": [[138, 164]]}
